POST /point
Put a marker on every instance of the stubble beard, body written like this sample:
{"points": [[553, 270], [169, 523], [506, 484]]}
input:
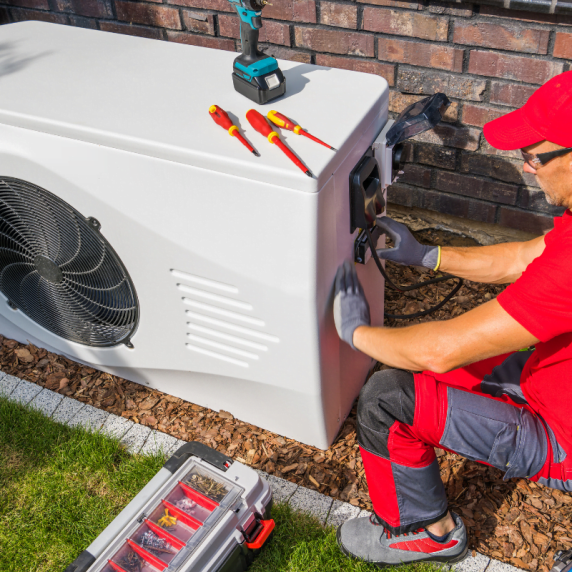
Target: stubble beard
{"points": [[551, 198]]}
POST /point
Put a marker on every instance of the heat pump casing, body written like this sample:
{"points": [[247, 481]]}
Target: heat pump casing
{"points": [[232, 256]]}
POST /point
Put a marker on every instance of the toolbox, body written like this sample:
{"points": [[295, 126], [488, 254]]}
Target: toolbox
{"points": [[202, 512]]}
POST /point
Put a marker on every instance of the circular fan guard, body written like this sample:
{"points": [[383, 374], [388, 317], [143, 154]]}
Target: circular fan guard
{"points": [[60, 271]]}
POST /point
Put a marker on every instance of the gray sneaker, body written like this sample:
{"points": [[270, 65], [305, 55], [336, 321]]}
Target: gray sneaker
{"points": [[368, 540]]}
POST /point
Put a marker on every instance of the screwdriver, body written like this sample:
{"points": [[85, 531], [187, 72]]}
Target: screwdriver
{"points": [[258, 121], [285, 123], [221, 118]]}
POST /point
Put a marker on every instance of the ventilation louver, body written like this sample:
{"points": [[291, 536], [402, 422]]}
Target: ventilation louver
{"points": [[58, 269]]}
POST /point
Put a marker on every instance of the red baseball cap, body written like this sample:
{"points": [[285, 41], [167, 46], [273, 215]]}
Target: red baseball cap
{"points": [[546, 116]]}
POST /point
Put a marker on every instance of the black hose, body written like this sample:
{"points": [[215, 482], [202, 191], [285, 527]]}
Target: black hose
{"points": [[415, 286]]}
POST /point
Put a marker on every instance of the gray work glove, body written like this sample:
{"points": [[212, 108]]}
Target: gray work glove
{"points": [[406, 250], [351, 309]]}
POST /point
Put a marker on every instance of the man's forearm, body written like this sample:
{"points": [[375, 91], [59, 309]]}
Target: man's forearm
{"points": [[483, 332], [495, 264]]}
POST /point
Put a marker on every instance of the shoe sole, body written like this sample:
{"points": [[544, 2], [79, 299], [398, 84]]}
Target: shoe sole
{"points": [[454, 560]]}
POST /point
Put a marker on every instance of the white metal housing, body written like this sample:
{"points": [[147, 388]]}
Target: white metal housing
{"points": [[232, 256]]}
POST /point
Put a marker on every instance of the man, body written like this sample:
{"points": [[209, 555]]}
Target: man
{"points": [[477, 395]]}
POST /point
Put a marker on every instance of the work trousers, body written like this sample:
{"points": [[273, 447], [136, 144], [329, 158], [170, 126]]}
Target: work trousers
{"points": [[478, 412]]}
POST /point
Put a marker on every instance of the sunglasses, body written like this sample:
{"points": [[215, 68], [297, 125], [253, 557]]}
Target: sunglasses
{"points": [[541, 159]]}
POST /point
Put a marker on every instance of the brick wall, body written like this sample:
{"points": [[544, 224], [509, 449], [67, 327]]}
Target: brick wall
{"points": [[487, 59]]}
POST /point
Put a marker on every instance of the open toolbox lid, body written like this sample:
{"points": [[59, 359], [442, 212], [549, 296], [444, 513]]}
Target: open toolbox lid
{"points": [[174, 525]]}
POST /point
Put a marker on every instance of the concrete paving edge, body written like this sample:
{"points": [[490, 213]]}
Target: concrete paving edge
{"points": [[146, 441]]}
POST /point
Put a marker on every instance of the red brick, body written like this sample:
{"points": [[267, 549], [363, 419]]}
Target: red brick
{"points": [[436, 156], [535, 200], [511, 94], [527, 221], [420, 54], [405, 24], [496, 167], [460, 137], [399, 101], [394, 4], [460, 9], [487, 149], [81, 22], [88, 8], [217, 5], [459, 206], [136, 13], [292, 11], [476, 188], [428, 83], [340, 15], [386, 71], [21, 15], [477, 115], [563, 46], [281, 53], [203, 41], [406, 196], [486, 10], [272, 32], [416, 175], [502, 37], [513, 67], [335, 42], [131, 30], [199, 22], [4, 16], [37, 4]]}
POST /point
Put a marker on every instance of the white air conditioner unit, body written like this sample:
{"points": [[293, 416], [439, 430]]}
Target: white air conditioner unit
{"points": [[137, 237]]}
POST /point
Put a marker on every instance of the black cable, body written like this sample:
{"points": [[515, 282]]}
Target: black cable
{"points": [[415, 286]]}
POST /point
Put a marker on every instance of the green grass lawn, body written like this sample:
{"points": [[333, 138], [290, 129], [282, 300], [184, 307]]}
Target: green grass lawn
{"points": [[60, 487]]}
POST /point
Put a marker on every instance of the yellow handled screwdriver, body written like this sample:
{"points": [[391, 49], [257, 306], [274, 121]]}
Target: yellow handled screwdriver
{"points": [[285, 123]]}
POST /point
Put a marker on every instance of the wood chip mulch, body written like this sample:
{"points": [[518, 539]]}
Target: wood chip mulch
{"points": [[514, 521]]}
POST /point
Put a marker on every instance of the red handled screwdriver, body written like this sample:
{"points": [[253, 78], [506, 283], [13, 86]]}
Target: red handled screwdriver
{"points": [[258, 121], [221, 118], [285, 123]]}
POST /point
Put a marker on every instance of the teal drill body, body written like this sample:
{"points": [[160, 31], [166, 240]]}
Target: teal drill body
{"points": [[255, 75]]}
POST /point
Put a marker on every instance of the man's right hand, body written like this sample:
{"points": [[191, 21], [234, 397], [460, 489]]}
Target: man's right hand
{"points": [[407, 250]]}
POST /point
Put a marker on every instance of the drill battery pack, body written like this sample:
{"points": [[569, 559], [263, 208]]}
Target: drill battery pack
{"points": [[202, 512], [263, 88]]}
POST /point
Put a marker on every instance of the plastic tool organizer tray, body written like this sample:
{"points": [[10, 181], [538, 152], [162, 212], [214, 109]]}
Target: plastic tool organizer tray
{"points": [[202, 511]]}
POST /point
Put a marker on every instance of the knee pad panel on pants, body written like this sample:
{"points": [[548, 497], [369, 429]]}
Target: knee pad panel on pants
{"points": [[388, 396]]}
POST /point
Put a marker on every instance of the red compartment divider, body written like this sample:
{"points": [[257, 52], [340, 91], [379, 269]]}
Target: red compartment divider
{"points": [[162, 533], [116, 567], [198, 497], [186, 518], [147, 555]]}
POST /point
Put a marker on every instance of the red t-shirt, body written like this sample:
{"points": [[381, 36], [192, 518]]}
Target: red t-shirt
{"points": [[541, 301]]}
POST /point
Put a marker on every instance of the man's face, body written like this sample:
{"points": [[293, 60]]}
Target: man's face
{"points": [[554, 178]]}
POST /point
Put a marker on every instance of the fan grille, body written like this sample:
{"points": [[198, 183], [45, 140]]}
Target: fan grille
{"points": [[60, 271]]}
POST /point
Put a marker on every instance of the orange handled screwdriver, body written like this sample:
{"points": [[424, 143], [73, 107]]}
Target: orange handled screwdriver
{"points": [[221, 118], [258, 121], [285, 123]]}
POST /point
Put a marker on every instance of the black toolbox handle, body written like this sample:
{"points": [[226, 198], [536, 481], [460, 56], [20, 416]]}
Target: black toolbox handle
{"points": [[196, 449]]}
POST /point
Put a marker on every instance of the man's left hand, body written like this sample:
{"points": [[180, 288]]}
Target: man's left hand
{"points": [[351, 309]]}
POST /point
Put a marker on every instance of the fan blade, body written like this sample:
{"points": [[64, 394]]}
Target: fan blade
{"points": [[12, 277]]}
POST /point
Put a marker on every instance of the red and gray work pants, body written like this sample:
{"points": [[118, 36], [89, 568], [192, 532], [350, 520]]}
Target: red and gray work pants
{"points": [[478, 412]]}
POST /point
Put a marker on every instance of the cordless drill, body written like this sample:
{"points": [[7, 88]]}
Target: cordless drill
{"points": [[254, 74]]}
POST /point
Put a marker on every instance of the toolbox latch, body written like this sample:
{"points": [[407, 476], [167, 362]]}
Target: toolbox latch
{"points": [[257, 532]]}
